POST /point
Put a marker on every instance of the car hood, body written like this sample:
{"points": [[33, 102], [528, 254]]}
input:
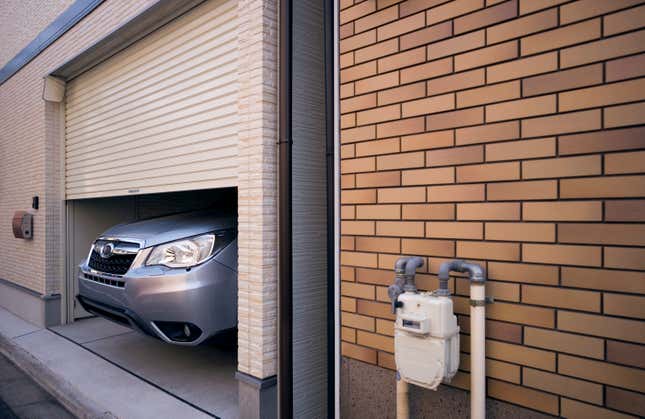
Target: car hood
{"points": [[154, 231]]}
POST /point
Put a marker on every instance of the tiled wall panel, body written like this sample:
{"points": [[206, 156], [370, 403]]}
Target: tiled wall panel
{"points": [[509, 133], [30, 150]]}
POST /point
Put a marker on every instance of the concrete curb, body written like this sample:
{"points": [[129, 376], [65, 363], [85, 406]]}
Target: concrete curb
{"points": [[59, 388]]}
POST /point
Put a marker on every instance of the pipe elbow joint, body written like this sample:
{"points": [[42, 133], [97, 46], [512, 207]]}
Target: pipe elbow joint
{"points": [[412, 264], [399, 265], [405, 269], [475, 272], [444, 275], [447, 267]]}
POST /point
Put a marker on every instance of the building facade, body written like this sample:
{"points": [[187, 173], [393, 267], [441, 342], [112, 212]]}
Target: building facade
{"points": [[42, 97], [509, 133]]}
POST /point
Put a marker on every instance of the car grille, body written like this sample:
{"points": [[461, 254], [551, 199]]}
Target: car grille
{"points": [[119, 283], [115, 264]]}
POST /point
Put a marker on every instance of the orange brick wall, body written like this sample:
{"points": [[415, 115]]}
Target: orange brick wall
{"points": [[509, 133]]}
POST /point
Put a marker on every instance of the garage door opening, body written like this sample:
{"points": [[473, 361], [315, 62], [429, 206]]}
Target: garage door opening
{"points": [[203, 375]]}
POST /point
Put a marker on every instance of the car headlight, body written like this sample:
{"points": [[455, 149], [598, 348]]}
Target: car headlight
{"points": [[183, 253]]}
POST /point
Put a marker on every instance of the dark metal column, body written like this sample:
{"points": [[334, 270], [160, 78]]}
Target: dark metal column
{"points": [[329, 139], [285, 288]]}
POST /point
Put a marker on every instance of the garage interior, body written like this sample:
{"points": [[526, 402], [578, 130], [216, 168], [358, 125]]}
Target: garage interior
{"points": [[202, 376]]}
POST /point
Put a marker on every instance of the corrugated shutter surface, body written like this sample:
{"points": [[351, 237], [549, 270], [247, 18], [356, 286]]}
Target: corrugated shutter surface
{"points": [[161, 115]]}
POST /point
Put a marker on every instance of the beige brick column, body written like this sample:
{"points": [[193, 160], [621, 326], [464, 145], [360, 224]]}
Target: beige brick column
{"points": [[257, 297], [53, 204]]}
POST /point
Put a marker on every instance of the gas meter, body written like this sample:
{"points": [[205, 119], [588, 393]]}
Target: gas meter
{"points": [[426, 339], [426, 335]]}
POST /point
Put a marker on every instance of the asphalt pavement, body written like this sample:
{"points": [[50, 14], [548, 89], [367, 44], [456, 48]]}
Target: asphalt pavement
{"points": [[22, 398]]}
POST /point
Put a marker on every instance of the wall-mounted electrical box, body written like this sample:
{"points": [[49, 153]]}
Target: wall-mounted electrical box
{"points": [[426, 339], [23, 224]]}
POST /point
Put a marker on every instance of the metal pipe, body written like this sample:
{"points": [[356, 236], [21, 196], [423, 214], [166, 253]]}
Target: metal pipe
{"points": [[475, 272], [405, 269], [333, 329], [285, 273], [450, 266], [410, 271], [477, 278], [444, 275], [412, 264], [396, 289], [399, 265], [402, 398], [477, 351], [336, 193]]}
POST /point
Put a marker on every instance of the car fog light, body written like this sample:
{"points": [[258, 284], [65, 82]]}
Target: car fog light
{"points": [[179, 331]]}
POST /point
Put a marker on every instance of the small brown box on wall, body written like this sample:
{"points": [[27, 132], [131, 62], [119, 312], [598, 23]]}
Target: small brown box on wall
{"points": [[23, 225]]}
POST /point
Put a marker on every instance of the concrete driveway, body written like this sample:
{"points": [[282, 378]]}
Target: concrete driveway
{"points": [[202, 376], [100, 370]]}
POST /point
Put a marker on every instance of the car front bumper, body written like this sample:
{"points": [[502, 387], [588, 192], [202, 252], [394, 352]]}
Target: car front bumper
{"points": [[204, 296]]}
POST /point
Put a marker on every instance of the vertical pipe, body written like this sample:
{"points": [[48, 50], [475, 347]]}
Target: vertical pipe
{"points": [[333, 329], [336, 111], [477, 352], [285, 285], [402, 399]]}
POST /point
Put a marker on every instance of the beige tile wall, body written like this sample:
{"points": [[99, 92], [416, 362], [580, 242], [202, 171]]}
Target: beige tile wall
{"points": [[30, 156], [22, 20], [257, 191]]}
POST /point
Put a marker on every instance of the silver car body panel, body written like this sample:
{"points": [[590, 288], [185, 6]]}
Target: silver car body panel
{"points": [[204, 295], [155, 231]]}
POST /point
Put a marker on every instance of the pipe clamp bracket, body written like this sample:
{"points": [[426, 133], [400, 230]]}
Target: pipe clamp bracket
{"points": [[480, 303]]}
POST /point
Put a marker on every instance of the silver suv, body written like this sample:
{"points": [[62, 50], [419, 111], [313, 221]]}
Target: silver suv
{"points": [[172, 277]]}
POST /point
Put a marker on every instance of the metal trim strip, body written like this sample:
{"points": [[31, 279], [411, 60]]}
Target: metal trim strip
{"points": [[64, 22]]}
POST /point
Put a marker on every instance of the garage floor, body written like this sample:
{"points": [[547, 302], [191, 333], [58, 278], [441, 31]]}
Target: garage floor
{"points": [[203, 376]]}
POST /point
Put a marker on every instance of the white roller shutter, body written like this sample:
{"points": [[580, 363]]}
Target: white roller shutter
{"points": [[161, 115]]}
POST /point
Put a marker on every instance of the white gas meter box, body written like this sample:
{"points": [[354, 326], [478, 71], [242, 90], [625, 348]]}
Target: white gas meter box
{"points": [[426, 339]]}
